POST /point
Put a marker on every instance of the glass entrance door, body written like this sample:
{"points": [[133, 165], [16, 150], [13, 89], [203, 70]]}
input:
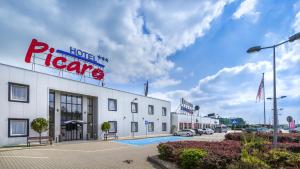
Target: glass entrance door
{"points": [[72, 131], [71, 117]]}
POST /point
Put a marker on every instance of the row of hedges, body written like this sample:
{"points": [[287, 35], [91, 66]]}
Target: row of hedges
{"points": [[217, 154], [282, 137]]}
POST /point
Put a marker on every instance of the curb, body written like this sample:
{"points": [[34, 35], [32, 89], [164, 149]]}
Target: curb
{"points": [[160, 163]]}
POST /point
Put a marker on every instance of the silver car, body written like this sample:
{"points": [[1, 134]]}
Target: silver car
{"points": [[185, 132], [207, 131], [295, 130]]}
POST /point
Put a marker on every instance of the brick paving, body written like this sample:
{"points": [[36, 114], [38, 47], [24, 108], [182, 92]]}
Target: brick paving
{"points": [[84, 155]]}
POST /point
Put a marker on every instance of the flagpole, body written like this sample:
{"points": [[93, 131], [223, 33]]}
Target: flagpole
{"points": [[264, 99]]}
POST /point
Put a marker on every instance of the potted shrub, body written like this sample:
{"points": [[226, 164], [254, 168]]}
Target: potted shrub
{"points": [[39, 125], [105, 127]]}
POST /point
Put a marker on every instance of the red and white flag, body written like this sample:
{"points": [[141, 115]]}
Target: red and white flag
{"points": [[260, 90]]}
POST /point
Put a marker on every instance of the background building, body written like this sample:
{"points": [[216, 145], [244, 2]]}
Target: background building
{"points": [[188, 117]]}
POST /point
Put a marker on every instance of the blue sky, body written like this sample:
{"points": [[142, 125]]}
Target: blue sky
{"points": [[191, 49]]}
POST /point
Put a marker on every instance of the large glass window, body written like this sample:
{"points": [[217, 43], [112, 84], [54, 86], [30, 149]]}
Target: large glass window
{"points": [[112, 104], [113, 126], [18, 127], [164, 111], [150, 109], [71, 107], [90, 119], [151, 127], [164, 126], [18, 92], [134, 127], [134, 107]]}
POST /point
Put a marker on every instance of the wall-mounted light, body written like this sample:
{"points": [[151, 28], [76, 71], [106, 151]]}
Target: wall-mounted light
{"points": [[143, 118], [157, 119], [57, 110], [124, 117]]}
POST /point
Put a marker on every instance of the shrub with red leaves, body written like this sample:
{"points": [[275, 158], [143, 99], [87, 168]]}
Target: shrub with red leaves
{"points": [[220, 154], [282, 137]]}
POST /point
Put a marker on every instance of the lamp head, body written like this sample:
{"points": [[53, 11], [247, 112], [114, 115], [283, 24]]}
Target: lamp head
{"points": [[254, 49], [294, 37]]}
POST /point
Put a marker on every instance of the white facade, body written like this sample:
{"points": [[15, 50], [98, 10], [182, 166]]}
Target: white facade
{"points": [[188, 121], [40, 86]]}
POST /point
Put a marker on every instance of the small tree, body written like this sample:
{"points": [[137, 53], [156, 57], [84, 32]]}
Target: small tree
{"points": [[105, 127], [39, 125]]}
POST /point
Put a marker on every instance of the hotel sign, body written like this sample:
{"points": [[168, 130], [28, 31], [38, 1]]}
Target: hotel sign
{"points": [[186, 106], [84, 61]]}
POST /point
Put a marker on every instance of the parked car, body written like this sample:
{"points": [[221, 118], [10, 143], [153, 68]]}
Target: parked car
{"points": [[283, 130], [263, 130], [250, 130], [295, 130], [221, 129], [207, 131], [198, 132], [185, 132]]}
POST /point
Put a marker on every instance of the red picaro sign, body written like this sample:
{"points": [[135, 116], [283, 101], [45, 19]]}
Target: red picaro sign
{"points": [[62, 63]]}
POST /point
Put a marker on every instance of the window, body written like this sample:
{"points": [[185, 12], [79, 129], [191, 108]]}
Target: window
{"points": [[134, 127], [164, 126], [150, 109], [151, 127], [164, 111], [113, 126], [18, 127], [112, 104], [134, 107], [18, 92], [52, 114]]}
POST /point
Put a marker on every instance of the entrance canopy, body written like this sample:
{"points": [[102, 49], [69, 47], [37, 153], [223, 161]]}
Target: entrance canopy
{"points": [[74, 122]]}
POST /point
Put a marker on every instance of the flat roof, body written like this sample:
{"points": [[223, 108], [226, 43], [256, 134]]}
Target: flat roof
{"points": [[80, 82]]}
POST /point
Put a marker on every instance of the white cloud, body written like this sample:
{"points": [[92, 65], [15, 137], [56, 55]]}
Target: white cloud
{"points": [[165, 82], [179, 69], [247, 8], [137, 39], [296, 24], [232, 91]]}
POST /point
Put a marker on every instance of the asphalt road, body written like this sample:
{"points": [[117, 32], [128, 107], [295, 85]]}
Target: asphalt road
{"points": [[86, 155]]}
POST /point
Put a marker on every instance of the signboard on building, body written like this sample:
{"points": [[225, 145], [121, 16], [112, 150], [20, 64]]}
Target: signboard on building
{"points": [[186, 106], [75, 60], [211, 115]]}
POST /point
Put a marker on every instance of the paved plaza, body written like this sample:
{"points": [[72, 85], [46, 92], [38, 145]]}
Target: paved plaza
{"points": [[85, 155]]}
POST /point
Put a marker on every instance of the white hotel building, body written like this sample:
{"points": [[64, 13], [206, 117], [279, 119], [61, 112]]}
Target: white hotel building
{"points": [[75, 110]]}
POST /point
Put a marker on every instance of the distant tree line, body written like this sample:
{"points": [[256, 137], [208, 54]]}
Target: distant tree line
{"points": [[241, 123]]}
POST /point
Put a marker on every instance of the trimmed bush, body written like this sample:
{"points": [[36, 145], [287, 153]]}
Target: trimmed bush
{"points": [[105, 127], [282, 159], [39, 125], [219, 154], [191, 158], [167, 152], [282, 137]]}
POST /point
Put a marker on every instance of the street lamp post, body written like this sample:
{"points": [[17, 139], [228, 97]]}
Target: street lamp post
{"points": [[257, 49]]}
